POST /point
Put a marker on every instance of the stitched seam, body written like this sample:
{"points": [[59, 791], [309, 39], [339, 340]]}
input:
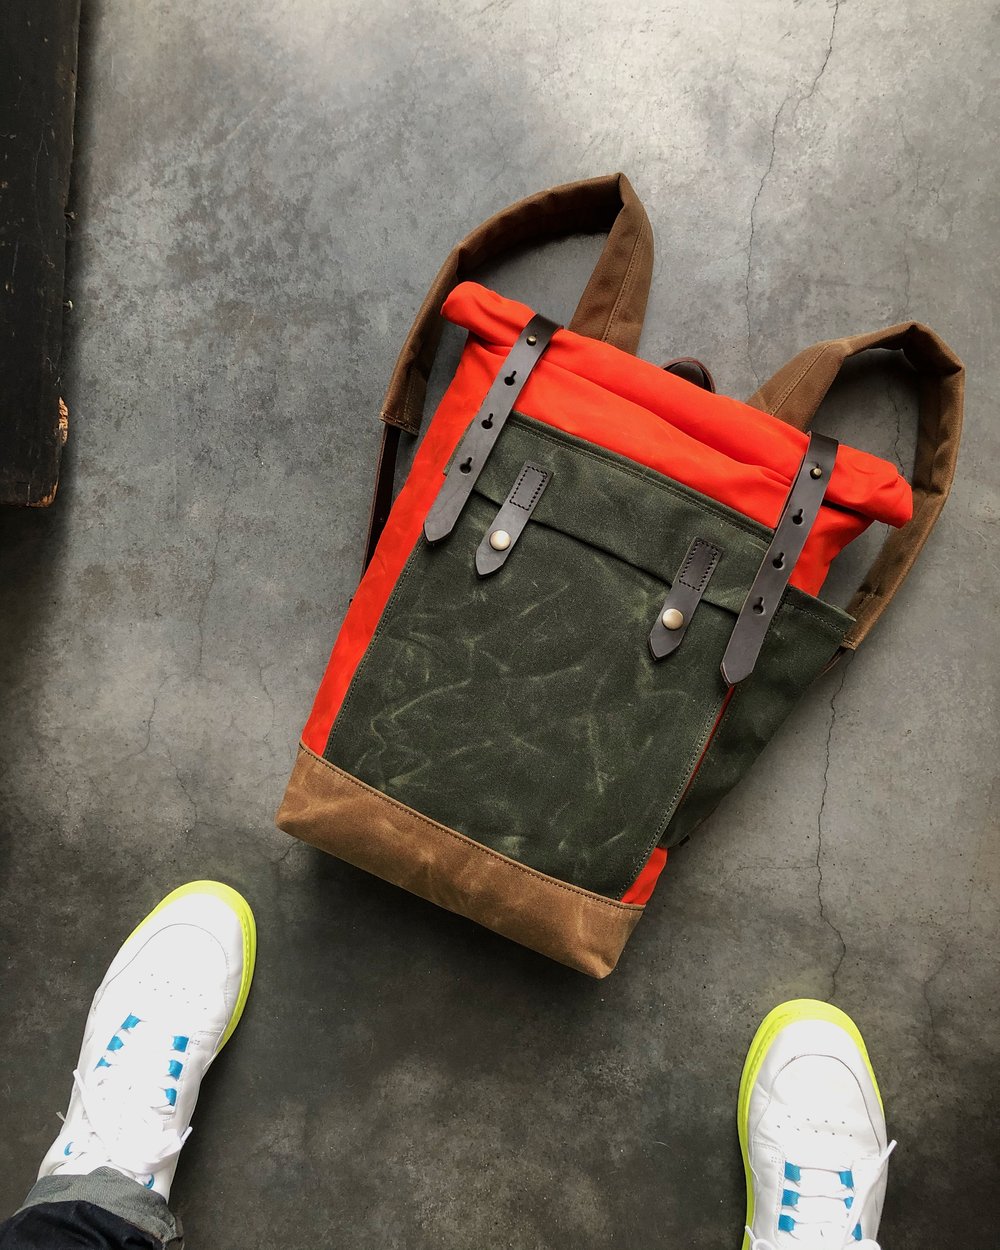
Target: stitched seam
{"points": [[622, 289], [468, 842], [688, 561], [625, 284], [517, 486], [833, 630], [695, 498], [666, 818], [533, 428], [542, 479], [709, 567], [363, 663], [821, 351], [693, 759], [413, 407], [713, 746]]}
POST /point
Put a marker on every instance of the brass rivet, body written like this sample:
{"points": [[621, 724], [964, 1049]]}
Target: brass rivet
{"points": [[816, 471], [531, 340], [672, 618], [499, 540]]}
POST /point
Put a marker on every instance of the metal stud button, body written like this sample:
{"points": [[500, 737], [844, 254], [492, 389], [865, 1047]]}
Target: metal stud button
{"points": [[816, 471], [531, 340], [673, 618], [499, 540]]}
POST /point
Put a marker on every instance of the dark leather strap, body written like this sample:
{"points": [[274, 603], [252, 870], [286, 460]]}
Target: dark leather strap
{"points": [[479, 439], [797, 518], [691, 370], [509, 522], [685, 594], [796, 391]]}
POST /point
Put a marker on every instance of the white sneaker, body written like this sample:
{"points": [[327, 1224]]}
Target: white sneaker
{"points": [[168, 1004], [812, 1130]]}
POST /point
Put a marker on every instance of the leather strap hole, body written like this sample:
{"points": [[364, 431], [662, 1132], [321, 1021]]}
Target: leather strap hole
{"points": [[487, 424], [779, 560], [758, 607], [466, 465], [511, 377]]}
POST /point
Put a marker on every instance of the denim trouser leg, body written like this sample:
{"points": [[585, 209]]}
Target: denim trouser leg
{"points": [[103, 1210]]}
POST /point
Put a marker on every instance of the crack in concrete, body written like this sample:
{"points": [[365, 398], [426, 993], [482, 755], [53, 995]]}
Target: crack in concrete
{"points": [[932, 1029], [753, 230], [826, 60], [916, 155], [819, 836], [908, 280], [899, 427], [134, 755], [280, 859], [802, 99], [213, 569], [270, 700]]}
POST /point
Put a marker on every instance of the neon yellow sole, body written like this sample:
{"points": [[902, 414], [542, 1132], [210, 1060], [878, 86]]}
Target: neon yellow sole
{"points": [[233, 899], [772, 1024]]}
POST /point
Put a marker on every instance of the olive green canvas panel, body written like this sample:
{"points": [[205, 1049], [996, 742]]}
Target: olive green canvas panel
{"points": [[759, 705], [524, 709]]}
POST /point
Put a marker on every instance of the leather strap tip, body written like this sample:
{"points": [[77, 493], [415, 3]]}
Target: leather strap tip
{"points": [[434, 531], [510, 522], [660, 647], [399, 423], [683, 598]]}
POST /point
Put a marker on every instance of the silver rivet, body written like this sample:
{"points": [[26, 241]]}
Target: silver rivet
{"points": [[816, 471], [673, 618], [499, 540], [531, 340]]}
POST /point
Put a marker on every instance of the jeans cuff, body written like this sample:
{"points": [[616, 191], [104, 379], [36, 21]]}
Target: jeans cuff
{"points": [[117, 1193]]}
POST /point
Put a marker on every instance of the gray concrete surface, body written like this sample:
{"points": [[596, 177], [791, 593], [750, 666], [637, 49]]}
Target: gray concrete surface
{"points": [[262, 194]]}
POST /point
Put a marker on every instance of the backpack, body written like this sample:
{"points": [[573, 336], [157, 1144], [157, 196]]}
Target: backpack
{"points": [[596, 596]]}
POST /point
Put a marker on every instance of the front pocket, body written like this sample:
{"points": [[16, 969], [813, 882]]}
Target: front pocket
{"points": [[524, 709]]}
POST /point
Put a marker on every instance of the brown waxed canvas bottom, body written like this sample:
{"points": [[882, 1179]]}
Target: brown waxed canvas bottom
{"points": [[337, 813]]}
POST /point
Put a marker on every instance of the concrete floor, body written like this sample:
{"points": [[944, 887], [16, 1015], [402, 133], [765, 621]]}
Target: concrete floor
{"points": [[262, 194]]}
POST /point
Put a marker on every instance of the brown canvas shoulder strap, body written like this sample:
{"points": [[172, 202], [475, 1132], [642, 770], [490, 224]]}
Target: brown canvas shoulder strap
{"points": [[612, 307], [796, 391]]}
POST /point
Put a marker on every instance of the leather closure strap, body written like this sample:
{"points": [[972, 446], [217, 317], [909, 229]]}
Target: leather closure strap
{"points": [[796, 391], [509, 523], [685, 595], [479, 439], [801, 509]]}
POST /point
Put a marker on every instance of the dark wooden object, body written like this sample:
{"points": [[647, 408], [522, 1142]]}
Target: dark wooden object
{"points": [[38, 50]]}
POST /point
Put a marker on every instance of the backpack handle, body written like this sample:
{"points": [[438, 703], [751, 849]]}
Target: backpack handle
{"points": [[612, 307], [795, 392]]}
